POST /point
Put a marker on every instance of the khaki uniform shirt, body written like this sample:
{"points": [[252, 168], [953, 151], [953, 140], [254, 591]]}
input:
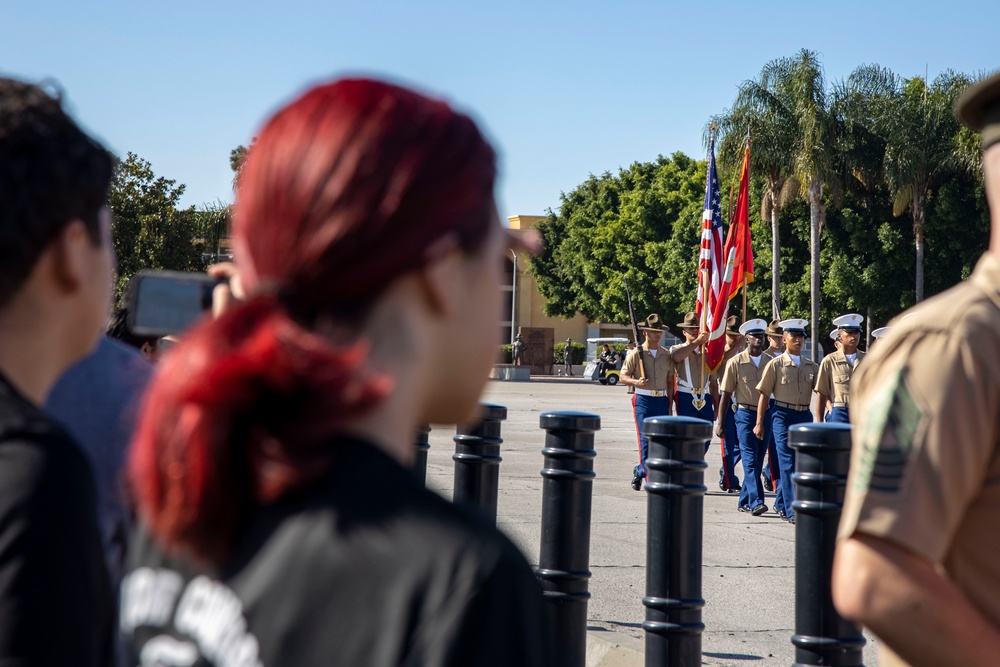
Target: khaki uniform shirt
{"points": [[789, 383], [659, 371], [834, 380], [689, 372], [741, 378], [925, 460]]}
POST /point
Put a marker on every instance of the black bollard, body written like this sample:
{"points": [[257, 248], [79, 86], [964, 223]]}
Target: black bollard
{"points": [[564, 558], [422, 446], [675, 499], [822, 459], [477, 461]]}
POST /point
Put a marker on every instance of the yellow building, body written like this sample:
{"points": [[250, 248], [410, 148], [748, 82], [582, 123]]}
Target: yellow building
{"points": [[524, 306]]}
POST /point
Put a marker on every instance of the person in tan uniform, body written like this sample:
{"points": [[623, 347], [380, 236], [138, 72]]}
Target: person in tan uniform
{"points": [[739, 387], [836, 370], [653, 380], [917, 558], [791, 378], [774, 345]]}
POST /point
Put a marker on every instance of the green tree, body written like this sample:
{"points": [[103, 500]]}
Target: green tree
{"points": [[150, 231], [791, 92], [772, 138], [922, 144], [211, 225], [642, 224]]}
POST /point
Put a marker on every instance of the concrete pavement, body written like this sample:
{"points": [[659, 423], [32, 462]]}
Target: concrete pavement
{"points": [[748, 576]]}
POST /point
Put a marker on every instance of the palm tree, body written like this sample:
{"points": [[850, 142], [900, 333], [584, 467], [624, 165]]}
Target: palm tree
{"points": [[790, 94], [922, 139], [770, 155]]}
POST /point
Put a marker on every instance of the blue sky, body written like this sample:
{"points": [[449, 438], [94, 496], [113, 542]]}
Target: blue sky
{"points": [[563, 89]]}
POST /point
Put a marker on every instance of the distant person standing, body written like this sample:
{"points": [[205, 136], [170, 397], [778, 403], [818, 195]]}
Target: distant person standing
{"points": [[518, 350], [568, 358]]}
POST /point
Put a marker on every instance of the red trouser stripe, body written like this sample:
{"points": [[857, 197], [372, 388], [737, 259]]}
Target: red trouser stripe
{"points": [[722, 446]]}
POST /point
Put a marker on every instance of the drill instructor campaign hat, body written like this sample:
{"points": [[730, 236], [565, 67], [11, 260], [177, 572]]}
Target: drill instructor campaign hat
{"points": [[978, 107], [653, 323], [774, 328], [690, 321]]}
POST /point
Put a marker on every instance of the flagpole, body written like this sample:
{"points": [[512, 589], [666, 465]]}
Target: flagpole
{"points": [[746, 249], [704, 292]]}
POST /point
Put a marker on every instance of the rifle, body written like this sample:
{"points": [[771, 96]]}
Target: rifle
{"points": [[635, 331]]}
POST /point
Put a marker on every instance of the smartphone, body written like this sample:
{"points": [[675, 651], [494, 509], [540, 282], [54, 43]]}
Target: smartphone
{"points": [[161, 303]]}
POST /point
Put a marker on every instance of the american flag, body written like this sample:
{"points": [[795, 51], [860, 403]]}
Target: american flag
{"points": [[712, 306]]}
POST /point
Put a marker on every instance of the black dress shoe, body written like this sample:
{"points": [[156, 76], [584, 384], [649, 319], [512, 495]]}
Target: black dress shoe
{"points": [[782, 515], [744, 508], [733, 490], [768, 486], [637, 482], [790, 519], [722, 479], [760, 509]]}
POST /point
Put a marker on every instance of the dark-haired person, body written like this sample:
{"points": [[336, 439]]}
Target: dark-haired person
{"points": [[56, 265], [119, 330], [280, 525]]}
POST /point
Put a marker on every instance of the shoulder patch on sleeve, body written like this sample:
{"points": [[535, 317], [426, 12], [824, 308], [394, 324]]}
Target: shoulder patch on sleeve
{"points": [[894, 417]]}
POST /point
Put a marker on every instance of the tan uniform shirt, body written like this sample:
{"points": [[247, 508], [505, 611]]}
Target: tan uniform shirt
{"points": [[659, 371], [741, 378], [925, 460], [789, 383], [834, 379], [689, 373]]}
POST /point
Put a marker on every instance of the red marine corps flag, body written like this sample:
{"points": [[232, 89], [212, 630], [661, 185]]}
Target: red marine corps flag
{"points": [[714, 276], [738, 237]]}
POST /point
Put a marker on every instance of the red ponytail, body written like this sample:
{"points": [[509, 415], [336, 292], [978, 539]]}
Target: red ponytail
{"points": [[349, 187], [241, 412]]}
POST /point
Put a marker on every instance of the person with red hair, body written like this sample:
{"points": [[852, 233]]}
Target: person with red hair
{"points": [[279, 524]]}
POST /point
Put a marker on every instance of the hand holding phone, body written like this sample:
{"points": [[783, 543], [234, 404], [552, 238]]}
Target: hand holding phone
{"points": [[161, 303]]}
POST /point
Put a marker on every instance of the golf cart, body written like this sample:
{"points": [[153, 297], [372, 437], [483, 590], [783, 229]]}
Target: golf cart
{"points": [[593, 370]]}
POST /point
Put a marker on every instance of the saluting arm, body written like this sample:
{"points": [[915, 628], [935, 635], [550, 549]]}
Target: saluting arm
{"points": [[687, 349]]}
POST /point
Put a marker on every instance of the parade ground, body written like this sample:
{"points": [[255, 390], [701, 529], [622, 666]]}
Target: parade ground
{"points": [[748, 576]]}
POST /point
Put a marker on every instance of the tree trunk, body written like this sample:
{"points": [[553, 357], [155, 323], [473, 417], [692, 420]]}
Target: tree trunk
{"points": [[919, 198], [775, 256], [815, 213]]}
